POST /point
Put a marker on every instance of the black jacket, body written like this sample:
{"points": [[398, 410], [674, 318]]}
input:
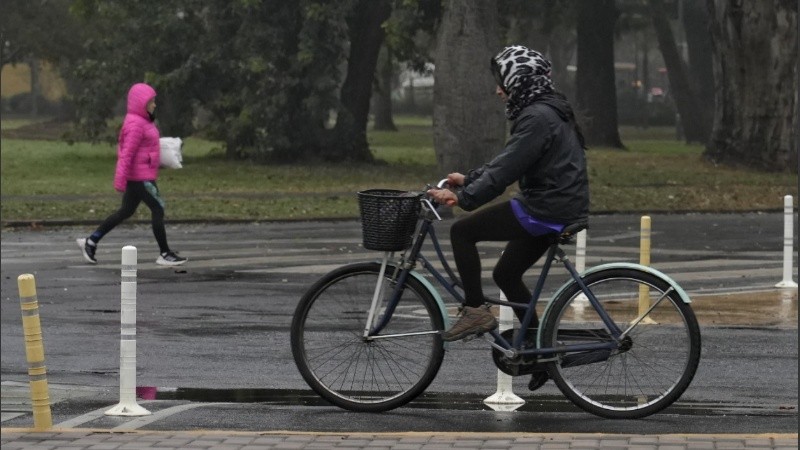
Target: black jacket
{"points": [[546, 156]]}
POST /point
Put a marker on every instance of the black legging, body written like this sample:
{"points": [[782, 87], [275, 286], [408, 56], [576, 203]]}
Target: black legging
{"points": [[496, 223], [135, 193]]}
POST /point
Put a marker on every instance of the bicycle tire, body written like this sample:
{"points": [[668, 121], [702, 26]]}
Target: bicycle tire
{"points": [[366, 375], [646, 373]]}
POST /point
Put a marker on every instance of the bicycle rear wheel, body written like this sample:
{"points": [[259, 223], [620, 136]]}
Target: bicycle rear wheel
{"points": [[366, 374], [649, 369]]}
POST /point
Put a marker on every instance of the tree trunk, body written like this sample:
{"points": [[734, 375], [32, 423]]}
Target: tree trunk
{"points": [[383, 93], [755, 59], [366, 37], [468, 124], [595, 79], [645, 90], [701, 71], [36, 88], [685, 96]]}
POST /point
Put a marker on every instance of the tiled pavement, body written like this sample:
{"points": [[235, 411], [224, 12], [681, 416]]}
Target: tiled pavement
{"points": [[87, 439]]}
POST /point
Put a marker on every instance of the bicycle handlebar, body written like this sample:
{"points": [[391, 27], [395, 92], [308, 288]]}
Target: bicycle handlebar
{"points": [[441, 185]]}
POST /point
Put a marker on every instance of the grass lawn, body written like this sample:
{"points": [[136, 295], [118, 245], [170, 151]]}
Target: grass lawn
{"points": [[52, 180]]}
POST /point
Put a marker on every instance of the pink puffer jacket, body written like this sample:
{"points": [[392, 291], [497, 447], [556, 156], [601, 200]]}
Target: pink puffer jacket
{"points": [[138, 151]]}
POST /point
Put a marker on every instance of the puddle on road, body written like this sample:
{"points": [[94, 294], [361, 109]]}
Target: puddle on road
{"points": [[775, 308], [297, 397], [436, 400]]}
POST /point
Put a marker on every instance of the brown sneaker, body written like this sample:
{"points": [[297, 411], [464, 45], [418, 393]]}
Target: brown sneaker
{"points": [[472, 321]]}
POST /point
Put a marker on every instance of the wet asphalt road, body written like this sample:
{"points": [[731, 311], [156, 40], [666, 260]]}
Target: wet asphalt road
{"points": [[212, 336]]}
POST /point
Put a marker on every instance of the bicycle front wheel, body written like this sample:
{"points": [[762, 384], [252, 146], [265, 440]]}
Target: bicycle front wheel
{"points": [[358, 373], [648, 369]]}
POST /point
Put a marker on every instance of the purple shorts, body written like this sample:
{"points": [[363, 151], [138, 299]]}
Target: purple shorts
{"points": [[532, 225]]}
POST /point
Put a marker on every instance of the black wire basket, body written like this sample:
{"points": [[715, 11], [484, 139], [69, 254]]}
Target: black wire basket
{"points": [[388, 218]]}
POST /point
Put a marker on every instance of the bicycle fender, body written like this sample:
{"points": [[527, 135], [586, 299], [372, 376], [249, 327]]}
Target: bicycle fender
{"points": [[624, 265], [436, 296], [616, 265]]}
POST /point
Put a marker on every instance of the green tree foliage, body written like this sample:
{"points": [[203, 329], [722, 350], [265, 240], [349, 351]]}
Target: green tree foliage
{"points": [[264, 74], [22, 23], [40, 30], [410, 31], [409, 42]]}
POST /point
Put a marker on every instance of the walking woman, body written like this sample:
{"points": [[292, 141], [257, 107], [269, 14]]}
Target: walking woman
{"points": [[138, 159]]}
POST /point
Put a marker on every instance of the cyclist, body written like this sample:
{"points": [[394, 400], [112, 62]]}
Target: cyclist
{"points": [[545, 155]]}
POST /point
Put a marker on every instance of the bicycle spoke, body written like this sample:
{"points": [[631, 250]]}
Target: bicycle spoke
{"points": [[655, 359], [375, 373]]}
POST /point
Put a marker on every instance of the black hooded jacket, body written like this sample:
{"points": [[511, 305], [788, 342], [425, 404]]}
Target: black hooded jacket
{"points": [[545, 155]]}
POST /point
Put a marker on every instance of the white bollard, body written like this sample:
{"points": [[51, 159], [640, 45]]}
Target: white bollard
{"points": [[580, 252], [127, 340], [581, 301], [788, 243], [644, 259], [504, 399]]}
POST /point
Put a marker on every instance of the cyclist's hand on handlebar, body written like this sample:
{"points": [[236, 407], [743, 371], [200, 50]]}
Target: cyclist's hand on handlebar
{"points": [[455, 179], [443, 196]]}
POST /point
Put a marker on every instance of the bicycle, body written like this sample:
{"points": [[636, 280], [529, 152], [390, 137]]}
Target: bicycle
{"points": [[619, 340]]}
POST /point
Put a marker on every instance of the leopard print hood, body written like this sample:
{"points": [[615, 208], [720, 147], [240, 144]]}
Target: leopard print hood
{"points": [[524, 75]]}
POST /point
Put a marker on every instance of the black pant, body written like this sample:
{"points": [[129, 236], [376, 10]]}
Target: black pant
{"points": [[496, 223], [135, 193]]}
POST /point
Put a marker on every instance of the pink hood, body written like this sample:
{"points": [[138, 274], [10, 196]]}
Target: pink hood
{"points": [[138, 150]]}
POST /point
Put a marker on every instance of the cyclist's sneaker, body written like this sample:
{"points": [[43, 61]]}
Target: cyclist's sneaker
{"points": [[472, 321], [170, 259], [88, 248]]}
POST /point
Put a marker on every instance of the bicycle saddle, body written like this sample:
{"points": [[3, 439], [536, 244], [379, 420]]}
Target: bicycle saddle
{"points": [[571, 230]]}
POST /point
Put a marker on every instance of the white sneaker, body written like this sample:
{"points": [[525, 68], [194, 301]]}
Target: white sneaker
{"points": [[88, 250], [170, 259]]}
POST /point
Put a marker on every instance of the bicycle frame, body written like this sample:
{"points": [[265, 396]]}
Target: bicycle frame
{"points": [[413, 255]]}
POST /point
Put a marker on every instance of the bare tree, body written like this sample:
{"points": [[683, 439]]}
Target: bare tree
{"points": [[468, 123], [595, 79], [382, 103], [701, 71], [366, 38], [755, 61], [685, 95]]}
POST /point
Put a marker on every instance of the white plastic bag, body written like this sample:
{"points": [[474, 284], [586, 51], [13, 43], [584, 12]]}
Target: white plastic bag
{"points": [[171, 152]]}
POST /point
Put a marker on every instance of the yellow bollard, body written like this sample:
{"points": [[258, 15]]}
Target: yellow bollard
{"points": [[34, 351], [644, 259], [644, 243]]}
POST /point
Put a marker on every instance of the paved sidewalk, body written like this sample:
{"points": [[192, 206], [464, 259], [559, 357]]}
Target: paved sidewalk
{"points": [[18, 438]]}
